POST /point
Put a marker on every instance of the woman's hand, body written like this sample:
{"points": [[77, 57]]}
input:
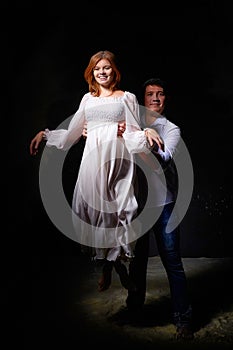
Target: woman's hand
{"points": [[152, 136], [34, 145]]}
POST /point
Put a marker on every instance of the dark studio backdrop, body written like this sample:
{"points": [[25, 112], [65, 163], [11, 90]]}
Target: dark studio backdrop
{"points": [[46, 53]]}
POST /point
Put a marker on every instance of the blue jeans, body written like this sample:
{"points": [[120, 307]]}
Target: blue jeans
{"points": [[168, 245]]}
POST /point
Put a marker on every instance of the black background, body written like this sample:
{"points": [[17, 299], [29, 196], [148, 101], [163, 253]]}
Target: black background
{"points": [[45, 52]]}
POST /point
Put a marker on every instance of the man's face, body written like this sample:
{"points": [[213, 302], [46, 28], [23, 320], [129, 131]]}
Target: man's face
{"points": [[154, 98]]}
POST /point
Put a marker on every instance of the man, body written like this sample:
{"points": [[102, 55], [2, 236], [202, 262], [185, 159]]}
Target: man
{"points": [[162, 193], [158, 174]]}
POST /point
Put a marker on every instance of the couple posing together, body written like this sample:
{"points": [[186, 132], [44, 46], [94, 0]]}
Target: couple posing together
{"points": [[127, 183]]}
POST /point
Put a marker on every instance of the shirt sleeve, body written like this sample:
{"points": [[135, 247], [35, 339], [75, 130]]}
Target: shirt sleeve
{"points": [[171, 150], [171, 141], [63, 138]]}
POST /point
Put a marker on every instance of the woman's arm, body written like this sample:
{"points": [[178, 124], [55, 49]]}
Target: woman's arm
{"points": [[64, 136]]}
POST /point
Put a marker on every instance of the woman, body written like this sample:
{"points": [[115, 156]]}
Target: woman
{"points": [[104, 206]]}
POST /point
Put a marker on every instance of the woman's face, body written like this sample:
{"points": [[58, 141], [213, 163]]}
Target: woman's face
{"points": [[103, 72]]}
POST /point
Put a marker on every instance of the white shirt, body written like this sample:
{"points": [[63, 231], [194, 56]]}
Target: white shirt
{"points": [[162, 183]]}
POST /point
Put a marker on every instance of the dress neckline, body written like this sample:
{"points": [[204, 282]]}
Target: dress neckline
{"points": [[109, 97]]}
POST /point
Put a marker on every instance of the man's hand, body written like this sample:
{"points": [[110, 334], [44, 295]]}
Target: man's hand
{"points": [[121, 128], [84, 133]]}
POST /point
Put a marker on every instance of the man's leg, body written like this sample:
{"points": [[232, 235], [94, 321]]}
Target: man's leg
{"points": [[137, 274], [168, 244]]}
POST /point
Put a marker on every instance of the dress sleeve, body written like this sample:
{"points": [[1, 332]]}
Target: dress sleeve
{"points": [[134, 136], [63, 138]]}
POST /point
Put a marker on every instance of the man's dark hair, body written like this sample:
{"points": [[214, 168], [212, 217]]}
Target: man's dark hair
{"points": [[155, 81]]}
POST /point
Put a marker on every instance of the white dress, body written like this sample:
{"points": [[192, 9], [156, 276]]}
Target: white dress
{"points": [[104, 206]]}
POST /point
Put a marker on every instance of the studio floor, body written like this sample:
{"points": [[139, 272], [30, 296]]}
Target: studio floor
{"points": [[58, 305]]}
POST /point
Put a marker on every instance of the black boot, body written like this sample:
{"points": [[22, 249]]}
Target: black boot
{"points": [[121, 270]]}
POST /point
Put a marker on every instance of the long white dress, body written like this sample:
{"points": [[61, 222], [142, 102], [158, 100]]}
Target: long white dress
{"points": [[104, 206]]}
